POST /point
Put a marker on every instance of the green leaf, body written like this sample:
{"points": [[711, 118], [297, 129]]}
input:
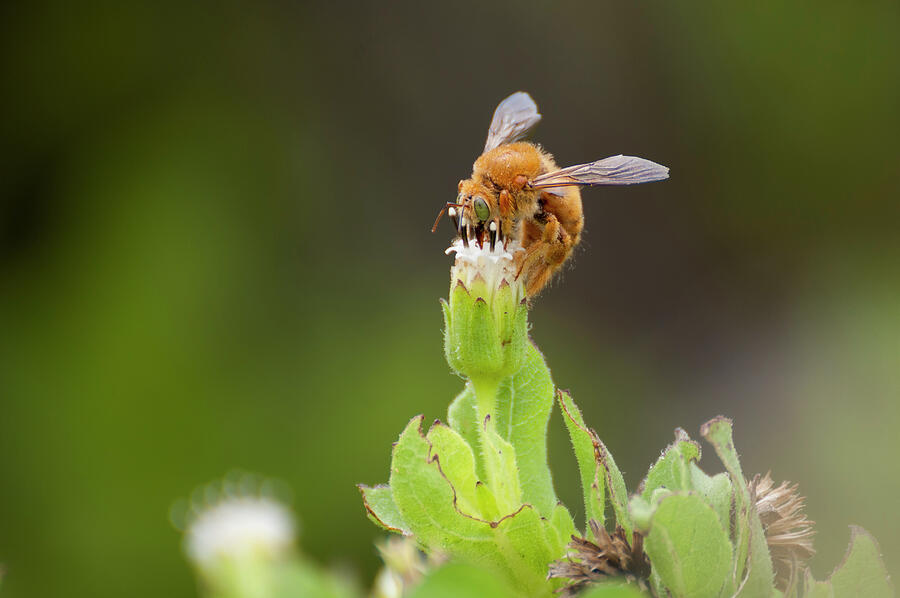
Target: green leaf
{"points": [[641, 512], [457, 463], [618, 494], [522, 538], [816, 589], [500, 463], [585, 445], [462, 415], [862, 572], [717, 492], [613, 590], [672, 469], [524, 404], [458, 580], [515, 546], [753, 572], [427, 501], [688, 547], [380, 508], [563, 526]]}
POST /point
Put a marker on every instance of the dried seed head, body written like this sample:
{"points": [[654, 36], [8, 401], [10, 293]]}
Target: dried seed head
{"points": [[789, 533], [611, 556]]}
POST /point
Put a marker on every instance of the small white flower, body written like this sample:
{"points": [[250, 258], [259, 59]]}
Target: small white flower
{"points": [[492, 266], [238, 527]]}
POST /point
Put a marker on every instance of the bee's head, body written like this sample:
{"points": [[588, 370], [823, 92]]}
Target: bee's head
{"points": [[478, 204], [476, 212]]}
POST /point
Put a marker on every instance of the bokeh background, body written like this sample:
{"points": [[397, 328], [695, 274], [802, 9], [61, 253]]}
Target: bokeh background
{"points": [[215, 254]]}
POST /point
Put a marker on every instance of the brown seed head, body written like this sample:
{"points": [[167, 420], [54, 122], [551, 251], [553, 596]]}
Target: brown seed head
{"points": [[789, 533], [611, 556]]}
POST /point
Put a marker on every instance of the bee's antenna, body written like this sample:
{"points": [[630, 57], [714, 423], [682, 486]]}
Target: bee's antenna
{"points": [[438, 219], [451, 212]]}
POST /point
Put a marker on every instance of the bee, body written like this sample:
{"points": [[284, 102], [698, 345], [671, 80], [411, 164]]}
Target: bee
{"points": [[517, 192]]}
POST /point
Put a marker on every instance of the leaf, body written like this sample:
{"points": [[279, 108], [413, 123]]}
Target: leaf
{"points": [[672, 469], [515, 545], [427, 501], [522, 539], [563, 526], [618, 494], [753, 573], [688, 547], [613, 590], [585, 445], [816, 589], [457, 463], [380, 508], [524, 404], [717, 492], [500, 462], [458, 580], [861, 574], [462, 416]]}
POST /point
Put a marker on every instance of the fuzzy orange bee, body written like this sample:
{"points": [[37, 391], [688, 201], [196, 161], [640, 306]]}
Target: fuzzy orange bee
{"points": [[517, 192]]}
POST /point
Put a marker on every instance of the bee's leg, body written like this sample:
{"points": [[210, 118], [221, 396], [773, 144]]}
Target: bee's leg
{"points": [[545, 256]]}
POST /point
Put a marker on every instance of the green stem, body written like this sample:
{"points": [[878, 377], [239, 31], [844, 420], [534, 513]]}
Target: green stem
{"points": [[485, 404], [485, 397]]}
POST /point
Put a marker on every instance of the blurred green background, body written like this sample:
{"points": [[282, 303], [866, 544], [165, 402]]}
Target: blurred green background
{"points": [[215, 254]]}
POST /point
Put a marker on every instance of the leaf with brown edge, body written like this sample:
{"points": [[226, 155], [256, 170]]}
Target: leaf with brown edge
{"points": [[380, 508], [512, 545]]}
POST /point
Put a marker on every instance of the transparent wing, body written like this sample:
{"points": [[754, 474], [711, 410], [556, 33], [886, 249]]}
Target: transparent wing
{"points": [[615, 170], [513, 118]]}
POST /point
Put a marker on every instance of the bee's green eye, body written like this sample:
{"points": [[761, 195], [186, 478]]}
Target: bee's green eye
{"points": [[482, 211]]}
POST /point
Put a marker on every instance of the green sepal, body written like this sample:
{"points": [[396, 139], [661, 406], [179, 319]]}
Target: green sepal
{"points": [[688, 548]]}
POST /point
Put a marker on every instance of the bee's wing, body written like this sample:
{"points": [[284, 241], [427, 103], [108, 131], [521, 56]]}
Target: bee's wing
{"points": [[615, 170], [513, 118]]}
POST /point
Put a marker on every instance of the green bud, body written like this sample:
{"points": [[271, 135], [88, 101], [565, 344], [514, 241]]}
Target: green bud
{"points": [[486, 317]]}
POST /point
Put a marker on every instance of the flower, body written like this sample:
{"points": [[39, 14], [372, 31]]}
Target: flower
{"points": [[611, 556], [486, 329], [234, 527], [788, 532]]}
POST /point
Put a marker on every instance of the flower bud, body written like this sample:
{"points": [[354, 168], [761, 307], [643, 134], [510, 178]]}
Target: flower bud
{"points": [[238, 540], [485, 320]]}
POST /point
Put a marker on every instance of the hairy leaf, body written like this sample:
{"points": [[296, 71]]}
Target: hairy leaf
{"points": [[585, 445], [380, 508], [753, 573], [672, 469], [524, 404], [458, 580], [688, 547]]}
